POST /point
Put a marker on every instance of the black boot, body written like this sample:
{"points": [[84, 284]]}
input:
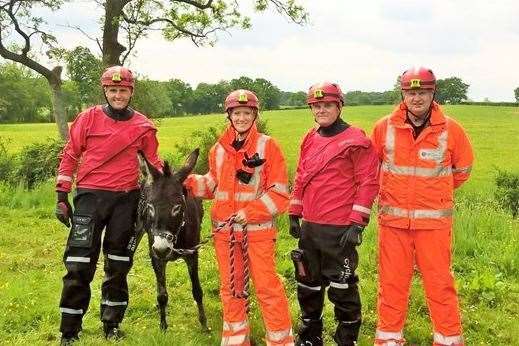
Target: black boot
{"points": [[310, 333], [347, 333], [68, 339], [112, 331]]}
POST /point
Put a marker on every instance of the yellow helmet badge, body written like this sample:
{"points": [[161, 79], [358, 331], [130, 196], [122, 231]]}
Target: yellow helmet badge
{"points": [[415, 84], [116, 77], [243, 98], [318, 93]]}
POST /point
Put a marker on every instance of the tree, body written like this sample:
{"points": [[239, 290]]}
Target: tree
{"points": [[24, 97], [198, 20], [516, 93], [181, 96], [451, 90], [151, 97], [84, 69], [17, 19]]}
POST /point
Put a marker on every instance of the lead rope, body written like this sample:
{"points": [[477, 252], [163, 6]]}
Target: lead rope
{"points": [[244, 245]]}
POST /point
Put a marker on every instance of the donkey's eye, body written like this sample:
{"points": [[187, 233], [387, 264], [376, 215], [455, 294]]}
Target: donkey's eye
{"points": [[176, 209]]}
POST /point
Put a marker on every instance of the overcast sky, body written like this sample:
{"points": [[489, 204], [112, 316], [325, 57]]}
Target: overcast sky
{"points": [[363, 45]]}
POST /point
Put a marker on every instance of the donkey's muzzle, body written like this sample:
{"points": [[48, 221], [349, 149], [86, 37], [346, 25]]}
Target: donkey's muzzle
{"points": [[161, 246]]}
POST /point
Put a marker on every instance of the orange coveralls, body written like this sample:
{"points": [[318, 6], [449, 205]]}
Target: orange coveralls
{"points": [[418, 178], [265, 196]]}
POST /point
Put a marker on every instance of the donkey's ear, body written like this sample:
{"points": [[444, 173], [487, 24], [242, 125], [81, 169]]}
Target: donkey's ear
{"points": [[188, 166], [148, 171]]}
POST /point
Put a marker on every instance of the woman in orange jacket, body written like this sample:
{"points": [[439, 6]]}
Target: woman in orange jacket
{"points": [[425, 156], [247, 180]]}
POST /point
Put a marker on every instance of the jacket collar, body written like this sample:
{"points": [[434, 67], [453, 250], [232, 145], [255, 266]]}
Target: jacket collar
{"points": [[230, 134]]}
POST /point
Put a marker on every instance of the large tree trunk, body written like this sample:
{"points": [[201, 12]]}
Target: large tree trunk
{"points": [[112, 49], [58, 105]]}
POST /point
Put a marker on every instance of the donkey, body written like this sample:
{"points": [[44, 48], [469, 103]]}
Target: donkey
{"points": [[172, 221]]}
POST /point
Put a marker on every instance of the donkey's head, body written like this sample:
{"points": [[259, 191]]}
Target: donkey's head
{"points": [[165, 202]]}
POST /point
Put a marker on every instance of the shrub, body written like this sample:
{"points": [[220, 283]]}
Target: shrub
{"points": [[7, 162], [38, 162], [204, 139], [507, 192]]}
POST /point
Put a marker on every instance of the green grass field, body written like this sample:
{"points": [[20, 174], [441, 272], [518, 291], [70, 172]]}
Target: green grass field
{"points": [[486, 259]]}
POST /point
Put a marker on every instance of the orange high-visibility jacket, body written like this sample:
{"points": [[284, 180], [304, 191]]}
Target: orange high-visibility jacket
{"points": [[418, 177], [265, 196]]}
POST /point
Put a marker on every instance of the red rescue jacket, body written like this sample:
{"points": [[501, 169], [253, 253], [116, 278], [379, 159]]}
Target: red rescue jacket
{"points": [[103, 151], [336, 179]]}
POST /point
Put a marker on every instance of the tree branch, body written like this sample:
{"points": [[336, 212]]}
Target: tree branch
{"points": [[207, 5]]}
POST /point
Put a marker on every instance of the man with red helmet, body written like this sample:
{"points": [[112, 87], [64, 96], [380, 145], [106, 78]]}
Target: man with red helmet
{"points": [[335, 184], [101, 156], [247, 181], [425, 155]]}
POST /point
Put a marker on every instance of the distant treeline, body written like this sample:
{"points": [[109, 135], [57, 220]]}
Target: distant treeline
{"points": [[25, 97]]}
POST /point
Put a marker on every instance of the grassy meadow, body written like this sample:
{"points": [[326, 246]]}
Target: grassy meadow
{"points": [[486, 248]]}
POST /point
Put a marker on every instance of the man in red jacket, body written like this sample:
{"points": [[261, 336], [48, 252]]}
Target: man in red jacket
{"points": [[335, 184], [102, 155]]}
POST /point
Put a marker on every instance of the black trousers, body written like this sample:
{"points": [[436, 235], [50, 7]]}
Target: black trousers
{"points": [[331, 265], [95, 210]]}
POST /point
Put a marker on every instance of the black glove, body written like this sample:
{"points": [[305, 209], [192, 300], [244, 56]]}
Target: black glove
{"points": [[254, 161], [295, 226], [352, 235], [63, 209]]}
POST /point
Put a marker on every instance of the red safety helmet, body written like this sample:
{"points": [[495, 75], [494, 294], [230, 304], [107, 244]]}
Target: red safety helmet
{"points": [[241, 97], [418, 78], [325, 92], [117, 76]]}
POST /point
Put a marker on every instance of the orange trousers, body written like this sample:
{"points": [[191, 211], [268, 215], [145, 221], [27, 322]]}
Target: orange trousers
{"points": [[270, 293], [431, 250]]}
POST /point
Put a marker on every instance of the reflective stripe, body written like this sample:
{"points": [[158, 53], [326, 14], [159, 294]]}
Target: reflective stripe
{"points": [[416, 171], [447, 340], [244, 196], [360, 208], [280, 187], [71, 311], [235, 326], [338, 285], [210, 181], [462, 170], [200, 184], [278, 335], [220, 152], [111, 303], [234, 340], [435, 154], [379, 334], [221, 196], [78, 259], [296, 202], [261, 144], [64, 178], [312, 288], [250, 227], [269, 203], [417, 213], [118, 258]]}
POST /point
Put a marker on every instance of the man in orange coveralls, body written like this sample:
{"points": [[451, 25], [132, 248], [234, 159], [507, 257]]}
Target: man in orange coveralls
{"points": [[247, 179], [425, 156]]}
